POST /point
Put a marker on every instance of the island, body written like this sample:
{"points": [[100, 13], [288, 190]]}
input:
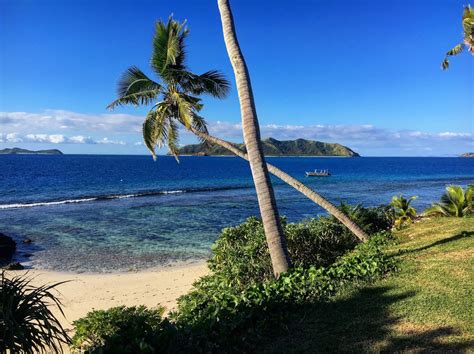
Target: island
{"points": [[274, 147], [18, 151], [468, 154]]}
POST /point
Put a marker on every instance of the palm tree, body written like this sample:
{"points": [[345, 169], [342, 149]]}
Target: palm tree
{"points": [[404, 212], [178, 89], [468, 28], [177, 104], [265, 195], [27, 322], [454, 202]]}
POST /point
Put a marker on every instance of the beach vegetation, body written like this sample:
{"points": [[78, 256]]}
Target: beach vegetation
{"points": [[217, 316], [455, 201], [27, 323], [127, 330], [468, 40], [404, 213]]}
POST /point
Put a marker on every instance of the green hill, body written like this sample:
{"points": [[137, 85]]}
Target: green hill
{"points": [[274, 147], [18, 151]]}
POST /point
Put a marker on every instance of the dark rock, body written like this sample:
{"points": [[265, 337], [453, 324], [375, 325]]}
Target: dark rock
{"points": [[7, 248], [27, 255], [14, 266], [27, 240]]}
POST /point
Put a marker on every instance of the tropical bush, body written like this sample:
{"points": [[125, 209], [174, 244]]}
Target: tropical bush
{"points": [[240, 255], [123, 330], [26, 322], [454, 202], [403, 211], [217, 317], [371, 220]]}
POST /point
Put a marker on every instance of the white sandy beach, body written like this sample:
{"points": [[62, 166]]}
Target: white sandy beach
{"points": [[87, 291]]}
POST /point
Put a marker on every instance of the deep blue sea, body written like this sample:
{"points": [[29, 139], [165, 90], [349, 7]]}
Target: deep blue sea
{"points": [[104, 213]]}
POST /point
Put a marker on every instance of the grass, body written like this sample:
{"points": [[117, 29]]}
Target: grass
{"points": [[426, 306]]}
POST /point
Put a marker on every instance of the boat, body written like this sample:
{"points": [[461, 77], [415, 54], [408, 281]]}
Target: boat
{"points": [[320, 173]]}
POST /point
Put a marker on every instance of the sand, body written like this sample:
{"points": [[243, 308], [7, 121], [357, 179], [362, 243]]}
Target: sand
{"points": [[87, 291]]}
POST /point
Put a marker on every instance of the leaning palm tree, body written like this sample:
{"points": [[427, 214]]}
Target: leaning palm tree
{"points": [[265, 195], [454, 202], [468, 28], [404, 212], [176, 103]]}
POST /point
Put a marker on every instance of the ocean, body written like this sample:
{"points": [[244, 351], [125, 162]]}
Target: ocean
{"points": [[101, 213]]}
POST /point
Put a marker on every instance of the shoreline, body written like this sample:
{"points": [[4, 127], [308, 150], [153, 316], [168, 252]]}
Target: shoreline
{"points": [[84, 292]]}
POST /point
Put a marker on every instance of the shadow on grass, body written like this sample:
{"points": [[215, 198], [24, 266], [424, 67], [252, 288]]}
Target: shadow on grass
{"points": [[359, 323], [459, 236]]}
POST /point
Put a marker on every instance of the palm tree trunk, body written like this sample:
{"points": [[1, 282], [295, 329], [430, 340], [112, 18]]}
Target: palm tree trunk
{"points": [[293, 182], [266, 198]]}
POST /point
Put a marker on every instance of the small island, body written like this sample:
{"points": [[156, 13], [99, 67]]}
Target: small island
{"points": [[468, 154], [18, 151], [274, 147]]}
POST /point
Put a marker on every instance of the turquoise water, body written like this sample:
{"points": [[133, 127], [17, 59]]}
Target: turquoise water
{"points": [[104, 213]]}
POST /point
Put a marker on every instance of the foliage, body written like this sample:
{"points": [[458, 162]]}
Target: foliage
{"points": [[371, 220], [240, 255], [404, 212], [468, 29], [175, 97], [26, 321], [454, 202], [123, 330], [215, 315]]}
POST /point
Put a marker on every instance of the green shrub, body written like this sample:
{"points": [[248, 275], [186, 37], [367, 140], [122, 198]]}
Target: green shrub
{"points": [[217, 316], [371, 220], [240, 256], [26, 321], [123, 330]]}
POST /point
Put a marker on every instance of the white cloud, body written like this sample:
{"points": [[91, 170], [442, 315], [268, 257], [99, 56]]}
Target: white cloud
{"points": [[60, 120], [65, 127], [362, 136], [55, 139]]}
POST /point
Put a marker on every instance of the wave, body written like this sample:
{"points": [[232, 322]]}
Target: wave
{"points": [[116, 196]]}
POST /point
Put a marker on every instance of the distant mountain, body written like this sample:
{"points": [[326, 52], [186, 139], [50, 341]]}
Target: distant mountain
{"points": [[18, 151], [274, 147], [468, 154]]}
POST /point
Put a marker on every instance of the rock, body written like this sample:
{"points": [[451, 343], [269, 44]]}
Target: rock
{"points": [[27, 255], [27, 240], [7, 248], [14, 266]]}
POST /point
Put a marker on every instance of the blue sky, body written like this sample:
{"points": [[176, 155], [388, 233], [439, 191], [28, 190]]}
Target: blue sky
{"points": [[363, 73]]}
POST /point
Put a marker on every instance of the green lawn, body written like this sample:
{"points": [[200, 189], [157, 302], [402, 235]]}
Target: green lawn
{"points": [[427, 305]]}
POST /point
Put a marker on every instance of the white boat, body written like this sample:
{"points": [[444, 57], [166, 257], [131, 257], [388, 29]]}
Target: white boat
{"points": [[320, 173]]}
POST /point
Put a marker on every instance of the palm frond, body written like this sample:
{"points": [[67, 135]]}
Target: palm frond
{"points": [[134, 87], [199, 124], [168, 48], [26, 320], [155, 129], [211, 83], [173, 139]]}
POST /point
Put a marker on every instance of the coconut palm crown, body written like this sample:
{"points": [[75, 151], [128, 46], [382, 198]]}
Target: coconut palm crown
{"points": [[468, 28], [175, 96], [454, 202], [403, 211]]}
